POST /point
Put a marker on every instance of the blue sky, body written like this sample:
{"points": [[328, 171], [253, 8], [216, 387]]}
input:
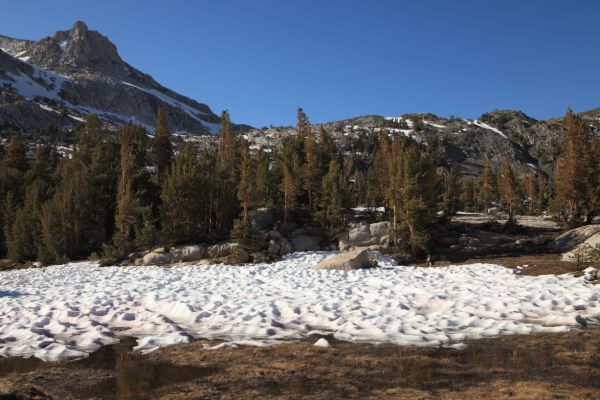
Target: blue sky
{"points": [[338, 59]]}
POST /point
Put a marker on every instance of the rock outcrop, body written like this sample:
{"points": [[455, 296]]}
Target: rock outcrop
{"points": [[363, 234], [580, 250], [346, 261], [568, 241]]}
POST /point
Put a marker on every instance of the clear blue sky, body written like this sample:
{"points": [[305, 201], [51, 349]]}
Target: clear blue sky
{"points": [[337, 59]]}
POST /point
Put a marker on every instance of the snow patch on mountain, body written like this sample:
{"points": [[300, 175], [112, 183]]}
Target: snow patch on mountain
{"points": [[491, 128], [40, 84], [191, 111], [433, 124]]}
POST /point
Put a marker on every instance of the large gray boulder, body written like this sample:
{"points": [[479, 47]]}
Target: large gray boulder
{"points": [[306, 243], [157, 258], [221, 250], [192, 252], [581, 249], [573, 238], [353, 259], [274, 247], [285, 247], [362, 235]]}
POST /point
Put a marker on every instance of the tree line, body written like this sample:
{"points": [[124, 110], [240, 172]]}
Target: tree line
{"points": [[117, 193]]}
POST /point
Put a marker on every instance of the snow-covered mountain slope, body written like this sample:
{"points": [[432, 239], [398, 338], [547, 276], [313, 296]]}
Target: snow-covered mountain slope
{"points": [[81, 71]]}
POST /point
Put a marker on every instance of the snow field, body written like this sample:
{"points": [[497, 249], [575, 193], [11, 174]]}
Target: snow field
{"points": [[67, 311]]}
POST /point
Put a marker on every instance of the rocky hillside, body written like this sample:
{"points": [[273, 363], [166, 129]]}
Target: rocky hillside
{"points": [[60, 78], [528, 144]]}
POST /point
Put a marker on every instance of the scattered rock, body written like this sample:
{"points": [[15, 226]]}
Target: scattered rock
{"points": [[237, 256], [362, 235], [590, 274], [192, 253], [274, 247], [285, 247], [221, 250], [306, 243], [157, 258], [37, 264], [274, 235], [353, 259]]}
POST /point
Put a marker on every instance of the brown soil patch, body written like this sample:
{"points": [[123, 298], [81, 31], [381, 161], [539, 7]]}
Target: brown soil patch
{"points": [[530, 264], [540, 366]]}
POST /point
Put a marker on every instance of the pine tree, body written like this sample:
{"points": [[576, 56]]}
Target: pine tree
{"points": [[129, 210], [467, 197], [69, 219], [228, 149], [88, 138], [332, 198], [265, 186], [246, 192], [325, 149], [450, 194], [509, 191], [16, 155], [311, 173], [576, 177], [543, 193], [225, 180], [531, 194], [290, 187], [488, 187], [412, 194], [183, 210], [25, 232], [303, 125], [162, 148]]}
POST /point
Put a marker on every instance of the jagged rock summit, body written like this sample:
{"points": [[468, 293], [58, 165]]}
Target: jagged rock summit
{"points": [[81, 71]]}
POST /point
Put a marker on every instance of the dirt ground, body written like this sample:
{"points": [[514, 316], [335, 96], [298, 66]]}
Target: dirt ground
{"points": [[538, 366], [527, 264]]}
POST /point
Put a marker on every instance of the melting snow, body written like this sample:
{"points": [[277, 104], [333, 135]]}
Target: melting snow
{"points": [[433, 124], [67, 311], [191, 111], [491, 128], [41, 84]]}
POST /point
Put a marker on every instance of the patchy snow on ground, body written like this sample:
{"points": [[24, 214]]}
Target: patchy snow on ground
{"points": [[67, 311], [360, 210]]}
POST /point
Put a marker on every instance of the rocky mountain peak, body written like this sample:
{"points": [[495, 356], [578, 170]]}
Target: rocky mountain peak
{"points": [[81, 70], [79, 29], [84, 48]]}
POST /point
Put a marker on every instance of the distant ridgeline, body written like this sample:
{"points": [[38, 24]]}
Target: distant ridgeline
{"points": [[115, 192]]}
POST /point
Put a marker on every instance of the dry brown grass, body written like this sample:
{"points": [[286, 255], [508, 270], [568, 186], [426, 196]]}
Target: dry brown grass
{"points": [[541, 366]]}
